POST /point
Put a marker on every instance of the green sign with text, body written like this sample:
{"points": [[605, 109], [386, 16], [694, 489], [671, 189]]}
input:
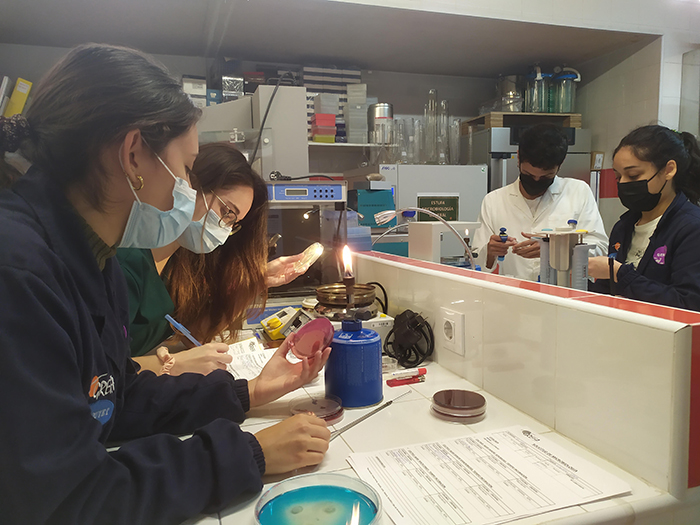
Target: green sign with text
{"points": [[445, 207]]}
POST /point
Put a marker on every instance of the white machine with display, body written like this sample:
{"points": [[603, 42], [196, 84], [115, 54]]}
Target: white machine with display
{"points": [[433, 241]]}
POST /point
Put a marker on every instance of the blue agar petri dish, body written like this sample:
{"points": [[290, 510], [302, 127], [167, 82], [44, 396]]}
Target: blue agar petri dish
{"points": [[321, 499]]}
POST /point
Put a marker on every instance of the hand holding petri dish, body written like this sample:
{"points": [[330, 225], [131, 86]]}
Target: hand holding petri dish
{"points": [[309, 256], [314, 336]]}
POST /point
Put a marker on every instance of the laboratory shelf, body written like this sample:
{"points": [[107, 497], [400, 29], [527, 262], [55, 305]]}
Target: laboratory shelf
{"points": [[348, 144]]}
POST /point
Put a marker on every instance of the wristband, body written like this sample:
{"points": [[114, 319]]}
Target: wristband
{"points": [[611, 264]]}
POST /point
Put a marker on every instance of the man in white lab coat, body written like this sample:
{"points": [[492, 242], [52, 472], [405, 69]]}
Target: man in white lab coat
{"points": [[539, 199]]}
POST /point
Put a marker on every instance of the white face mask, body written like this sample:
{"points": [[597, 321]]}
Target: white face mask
{"points": [[204, 235], [149, 227]]}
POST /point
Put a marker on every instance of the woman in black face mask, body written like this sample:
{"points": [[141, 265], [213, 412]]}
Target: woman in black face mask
{"points": [[654, 251]]}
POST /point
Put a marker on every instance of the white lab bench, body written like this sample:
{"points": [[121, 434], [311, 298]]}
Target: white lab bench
{"points": [[614, 381], [409, 421]]}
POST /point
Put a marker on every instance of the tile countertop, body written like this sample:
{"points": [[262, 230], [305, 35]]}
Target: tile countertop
{"points": [[409, 421]]}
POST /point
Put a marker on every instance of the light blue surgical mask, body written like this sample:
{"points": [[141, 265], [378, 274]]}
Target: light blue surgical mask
{"points": [[149, 227], [206, 234]]}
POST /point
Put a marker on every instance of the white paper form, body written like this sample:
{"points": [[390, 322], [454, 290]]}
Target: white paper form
{"points": [[481, 479], [249, 358]]}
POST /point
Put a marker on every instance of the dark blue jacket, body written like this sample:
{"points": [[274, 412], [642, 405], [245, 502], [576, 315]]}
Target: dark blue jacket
{"points": [[67, 387], [669, 271]]}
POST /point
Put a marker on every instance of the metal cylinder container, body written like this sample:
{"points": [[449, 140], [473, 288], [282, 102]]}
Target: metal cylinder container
{"points": [[380, 123]]}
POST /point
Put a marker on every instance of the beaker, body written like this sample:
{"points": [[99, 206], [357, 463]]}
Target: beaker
{"points": [[443, 141], [431, 127], [455, 137], [565, 90]]}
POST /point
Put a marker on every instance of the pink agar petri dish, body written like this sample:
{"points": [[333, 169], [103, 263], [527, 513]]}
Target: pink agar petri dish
{"points": [[315, 335]]}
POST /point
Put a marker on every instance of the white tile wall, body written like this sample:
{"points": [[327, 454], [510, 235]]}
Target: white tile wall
{"points": [[614, 381], [520, 352], [614, 384]]}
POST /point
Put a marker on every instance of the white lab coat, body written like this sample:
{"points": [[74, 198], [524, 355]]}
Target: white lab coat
{"points": [[506, 208]]}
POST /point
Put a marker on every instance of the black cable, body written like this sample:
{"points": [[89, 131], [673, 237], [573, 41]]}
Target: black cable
{"points": [[385, 304], [413, 340], [381, 304], [269, 105], [276, 175]]}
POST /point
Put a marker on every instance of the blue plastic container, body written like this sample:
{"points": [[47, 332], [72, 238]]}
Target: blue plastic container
{"points": [[354, 368]]}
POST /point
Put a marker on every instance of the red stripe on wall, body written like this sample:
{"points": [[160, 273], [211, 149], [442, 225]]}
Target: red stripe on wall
{"points": [[608, 184], [694, 447]]}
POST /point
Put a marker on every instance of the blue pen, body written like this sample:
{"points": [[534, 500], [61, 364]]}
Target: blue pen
{"points": [[184, 331]]}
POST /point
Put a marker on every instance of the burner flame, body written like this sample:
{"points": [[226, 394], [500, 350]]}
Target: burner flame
{"points": [[347, 261]]}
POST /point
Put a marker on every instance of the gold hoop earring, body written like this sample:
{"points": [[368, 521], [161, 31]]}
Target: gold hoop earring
{"points": [[140, 178]]}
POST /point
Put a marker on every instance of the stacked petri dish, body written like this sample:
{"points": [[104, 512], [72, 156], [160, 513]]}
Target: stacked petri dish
{"points": [[462, 406]]}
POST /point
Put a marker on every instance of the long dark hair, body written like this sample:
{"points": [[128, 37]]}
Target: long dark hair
{"points": [[212, 292], [658, 145], [92, 98]]}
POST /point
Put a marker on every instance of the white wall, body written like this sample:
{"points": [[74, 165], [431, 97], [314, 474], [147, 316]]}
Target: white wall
{"points": [[690, 93], [622, 98]]}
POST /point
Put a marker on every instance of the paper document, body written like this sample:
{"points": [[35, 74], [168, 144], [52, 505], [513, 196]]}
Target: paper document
{"points": [[249, 358], [485, 478]]}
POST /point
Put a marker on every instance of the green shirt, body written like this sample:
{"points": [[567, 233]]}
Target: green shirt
{"points": [[149, 300]]}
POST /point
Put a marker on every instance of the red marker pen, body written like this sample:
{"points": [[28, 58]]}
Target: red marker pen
{"points": [[406, 381]]}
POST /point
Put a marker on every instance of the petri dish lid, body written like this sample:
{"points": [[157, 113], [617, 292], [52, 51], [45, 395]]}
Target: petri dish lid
{"points": [[309, 256], [328, 408], [457, 419], [320, 497], [458, 403], [315, 335]]}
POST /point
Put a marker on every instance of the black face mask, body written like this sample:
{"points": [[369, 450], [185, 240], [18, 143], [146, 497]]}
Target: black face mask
{"points": [[635, 195], [533, 187]]}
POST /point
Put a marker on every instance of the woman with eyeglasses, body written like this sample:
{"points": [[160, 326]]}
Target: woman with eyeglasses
{"points": [[654, 251], [111, 138], [211, 275]]}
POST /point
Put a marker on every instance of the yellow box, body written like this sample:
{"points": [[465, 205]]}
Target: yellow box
{"points": [[18, 98], [329, 139]]}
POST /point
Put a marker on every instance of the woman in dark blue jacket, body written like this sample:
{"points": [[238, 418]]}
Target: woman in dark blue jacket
{"points": [[654, 251], [111, 137]]}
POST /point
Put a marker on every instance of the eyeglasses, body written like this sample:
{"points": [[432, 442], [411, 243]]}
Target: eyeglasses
{"points": [[229, 219]]}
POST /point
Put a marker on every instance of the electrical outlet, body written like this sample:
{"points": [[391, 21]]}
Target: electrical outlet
{"points": [[450, 330]]}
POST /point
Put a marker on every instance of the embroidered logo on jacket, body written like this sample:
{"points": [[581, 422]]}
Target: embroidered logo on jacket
{"points": [[101, 386], [660, 255]]}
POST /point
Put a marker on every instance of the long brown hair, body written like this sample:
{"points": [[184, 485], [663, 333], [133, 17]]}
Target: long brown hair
{"points": [[212, 292]]}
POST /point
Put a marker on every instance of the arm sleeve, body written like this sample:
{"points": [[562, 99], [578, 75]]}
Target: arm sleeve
{"points": [[482, 235], [54, 467], [590, 220], [180, 404], [684, 289]]}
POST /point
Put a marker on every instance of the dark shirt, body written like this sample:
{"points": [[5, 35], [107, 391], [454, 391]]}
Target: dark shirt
{"points": [[669, 271], [68, 387], [149, 300]]}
